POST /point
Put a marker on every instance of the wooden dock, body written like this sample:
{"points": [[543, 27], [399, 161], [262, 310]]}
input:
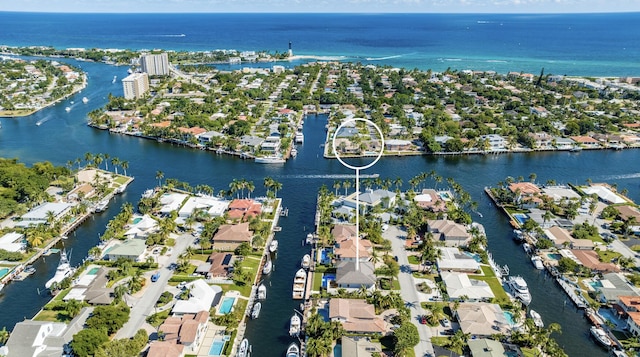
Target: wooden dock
{"points": [[569, 288]]}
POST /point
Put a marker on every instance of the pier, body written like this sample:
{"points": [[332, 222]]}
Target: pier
{"points": [[569, 288]]}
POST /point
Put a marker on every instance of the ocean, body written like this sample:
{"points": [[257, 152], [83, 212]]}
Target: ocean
{"points": [[569, 44]]}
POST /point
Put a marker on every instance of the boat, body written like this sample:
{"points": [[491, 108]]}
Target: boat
{"points": [[293, 350], [519, 289], [273, 246], [266, 269], [294, 152], [85, 100], [1, 286], [298, 284], [600, 336], [576, 149], [518, 236], [299, 138], [114, 79], [294, 325], [309, 238], [527, 248], [147, 194], [68, 109], [63, 270], [102, 205], [243, 350], [537, 319], [29, 269], [306, 262], [255, 312], [120, 189], [271, 159], [262, 292], [537, 262]]}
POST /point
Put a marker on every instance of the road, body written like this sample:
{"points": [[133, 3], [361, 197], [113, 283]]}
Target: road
{"points": [[143, 306], [408, 290]]}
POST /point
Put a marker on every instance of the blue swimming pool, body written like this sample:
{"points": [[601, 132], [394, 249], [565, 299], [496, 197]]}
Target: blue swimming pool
{"points": [[3, 272], [337, 351], [475, 257], [595, 284], [216, 348], [520, 217], [93, 271], [226, 305], [137, 220], [509, 316], [326, 278], [554, 256], [324, 256]]}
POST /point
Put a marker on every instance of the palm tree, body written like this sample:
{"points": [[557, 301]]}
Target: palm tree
{"points": [[97, 160], [347, 185], [125, 166], [4, 335], [159, 177], [250, 187], [336, 186], [276, 186], [115, 162], [106, 156], [397, 182], [88, 157], [234, 186]]}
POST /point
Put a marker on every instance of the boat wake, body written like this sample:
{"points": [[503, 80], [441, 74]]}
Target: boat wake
{"points": [[449, 59], [620, 177], [42, 121], [171, 35], [385, 58], [496, 61]]}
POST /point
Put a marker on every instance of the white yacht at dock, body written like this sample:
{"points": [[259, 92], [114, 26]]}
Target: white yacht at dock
{"points": [[63, 270], [519, 289]]}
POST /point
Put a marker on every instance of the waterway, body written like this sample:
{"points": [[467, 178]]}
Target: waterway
{"points": [[65, 136]]}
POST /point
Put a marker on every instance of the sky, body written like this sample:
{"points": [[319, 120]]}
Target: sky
{"points": [[344, 6]]}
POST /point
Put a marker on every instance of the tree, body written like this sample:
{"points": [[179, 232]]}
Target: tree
{"points": [[125, 166], [4, 335], [86, 342], [567, 265], [110, 318], [406, 336], [159, 177]]}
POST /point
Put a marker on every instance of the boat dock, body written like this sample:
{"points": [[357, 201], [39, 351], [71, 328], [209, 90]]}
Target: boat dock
{"points": [[569, 288]]}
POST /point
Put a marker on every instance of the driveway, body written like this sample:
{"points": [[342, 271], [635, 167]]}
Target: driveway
{"points": [[408, 290], [144, 305]]}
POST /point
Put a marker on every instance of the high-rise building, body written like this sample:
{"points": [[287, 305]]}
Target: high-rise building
{"points": [[135, 85], [155, 64]]}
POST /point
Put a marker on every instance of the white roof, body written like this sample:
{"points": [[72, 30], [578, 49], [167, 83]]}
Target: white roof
{"points": [[171, 202], [40, 213], [75, 294], [459, 284], [604, 193], [422, 198], [201, 298], [213, 205], [12, 242], [453, 259]]}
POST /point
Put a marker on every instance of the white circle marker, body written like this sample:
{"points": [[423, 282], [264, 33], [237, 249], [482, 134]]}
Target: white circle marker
{"points": [[357, 170]]}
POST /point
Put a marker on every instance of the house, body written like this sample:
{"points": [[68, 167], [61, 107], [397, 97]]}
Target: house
{"points": [[42, 213], [430, 200], [486, 348], [251, 142], [590, 259], [613, 286], [357, 316], [370, 199], [244, 209], [459, 285], [604, 193], [82, 191], [560, 237], [220, 264], [345, 249], [358, 346], [131, 249], [13, 242], [214, 206], [627, 212], [451, 233], [271, 144], [541, 140], [341, 232], [397, 145], [187, 330], [482, 319], [171, 202], [209, 136], [201, 298], [92, 288], [452, 259], [630, 308], [347, 277], [143, 226], [494, 142], [527, 194], [165, 349], [230, 236], [562, 143], [586, 142]]}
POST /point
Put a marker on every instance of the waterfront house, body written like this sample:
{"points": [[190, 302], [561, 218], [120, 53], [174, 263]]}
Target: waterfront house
{"points": [[171, 202], [359, 346], [131, 249], [541, 140], [451, 233], [369, 199], [92, 288], [251, 142], [604, 193], [357, 316], [13, 242], [485, 347], [495, 142], [586, 141], [81, 192], [350, 279], [165, 349], [628, 212], [244, 209], [560, 237], [452, 259], [345, 249], [208, 137], [562, 143], [220, 264], [590, 259], [613, 286], [459, 285], [430, 200], [202, 297], [629, 307], [187, 330], [230, 236], [143, 226], [213, 206], [482, 319], [40, 214], [527, 194], [397, 145]]}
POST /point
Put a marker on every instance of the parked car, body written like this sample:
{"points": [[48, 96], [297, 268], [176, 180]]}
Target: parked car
{"points": [[423, 319], [155, 277], [445, 322], [385, 227]]}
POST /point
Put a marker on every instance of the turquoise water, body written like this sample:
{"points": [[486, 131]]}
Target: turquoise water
{"points": [[137, 220], [4, 271], [226, 305], [326, 278], [444, 195], [216, 348], [554, 256], [93, 271], [337, 351], [595, 284], [475, 257], [509, 316], [324, 256], [520, 217]]}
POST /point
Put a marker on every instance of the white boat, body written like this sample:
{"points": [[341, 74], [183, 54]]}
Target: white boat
{"points": [[120, 189], [64, 270], [518, 235], [29, 269], [273, 246], [298, 284], [147, 194], [519, 289], [537, 319], [266, 269], [527, 248], [293, 350], [306, 262], [309, 238], [294, 152], [255, 312], [294, 325], [271, 159], [537, 262], [243, 350], [600, 336], [114, 79], [68, 109], [262, 292], [85, 100], [102, 205], [299, 138]]}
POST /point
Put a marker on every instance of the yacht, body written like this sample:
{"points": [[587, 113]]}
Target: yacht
{"points": [[298, 284], [102, 205], [268, 266], [243, 350], [306, 262], [519, 289], [294, 152], [273, 246], [600, 336], [299, 138], [309, 238], [537, 262], [518, 236], [64, 270], [293, 350], [272, 159], [537, 319], [294, 325], [262, 292], [29, 269], [255, 312], [67, 109], [85, 100], [114, 79]]}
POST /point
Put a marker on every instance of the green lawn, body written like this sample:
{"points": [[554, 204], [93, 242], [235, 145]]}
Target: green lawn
{"points": [[317, 281], [607, 256], [121, 179], [490, 278], [530, 352], [413, 259]]}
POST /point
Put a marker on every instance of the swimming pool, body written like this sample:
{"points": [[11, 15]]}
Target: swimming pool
{"points": [[509, 316], [326, 278], [324, 256], [554, 256], [520, 217], [137, 220], [595, 284], [227, 305], [93, 271], [216, 348], [475, 257], [444, 196], [3, 272], [337, 351]]}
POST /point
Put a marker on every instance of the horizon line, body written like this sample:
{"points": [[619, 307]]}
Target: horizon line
{"points": [[323, 13]]}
